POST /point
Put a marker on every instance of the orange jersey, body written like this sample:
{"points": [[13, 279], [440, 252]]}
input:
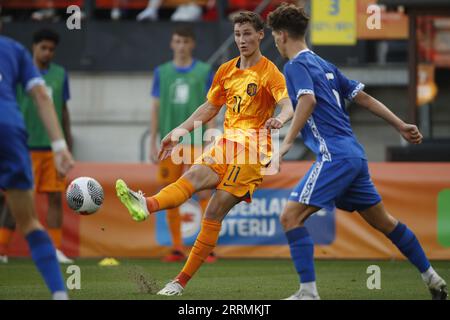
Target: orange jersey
{"points": [[250, 95]]}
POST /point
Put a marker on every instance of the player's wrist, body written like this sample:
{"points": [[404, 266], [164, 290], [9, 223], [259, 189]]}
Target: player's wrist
{"points": [[59, 145], [400, 126], [280, 120]]}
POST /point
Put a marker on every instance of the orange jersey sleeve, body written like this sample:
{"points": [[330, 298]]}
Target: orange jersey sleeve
{"points": [[276, 84], [216, 94]]}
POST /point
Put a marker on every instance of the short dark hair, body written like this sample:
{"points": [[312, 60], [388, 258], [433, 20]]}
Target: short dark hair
{"points": [[249, 17], [184, 31], [45, 34], [290, 18]]}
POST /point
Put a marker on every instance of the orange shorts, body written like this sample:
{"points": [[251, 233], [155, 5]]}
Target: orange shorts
{"points": [[172, 168], [237, 175], [46, 178]]}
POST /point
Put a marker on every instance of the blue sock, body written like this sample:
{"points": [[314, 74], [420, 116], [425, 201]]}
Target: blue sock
{"points": [[407, 243], [44, 256], [302, 253]]}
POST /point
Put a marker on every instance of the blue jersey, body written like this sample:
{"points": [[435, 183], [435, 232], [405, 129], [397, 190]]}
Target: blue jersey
{"points": [[328, 132], [16, 66]]}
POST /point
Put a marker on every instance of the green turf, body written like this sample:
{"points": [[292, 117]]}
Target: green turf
{"points": [[226, 279]]}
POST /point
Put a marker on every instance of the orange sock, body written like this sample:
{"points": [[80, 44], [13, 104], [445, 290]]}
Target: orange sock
{"points": [[56, 236], [5, 238], [171, 196], [174, 222], [203, 246]]}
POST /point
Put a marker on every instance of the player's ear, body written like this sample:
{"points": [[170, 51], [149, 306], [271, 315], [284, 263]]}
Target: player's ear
{"points": [[261, 34]]}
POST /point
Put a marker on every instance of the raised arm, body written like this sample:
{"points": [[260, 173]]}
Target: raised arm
{"points": [[202, 115], [408, 131]]}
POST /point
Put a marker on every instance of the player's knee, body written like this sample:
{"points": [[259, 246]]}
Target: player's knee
{"points": [[201, 177], [384, 223], [192, 175], [27, 224], [215, 212], [388, 224], [284, 220], [289, 219]]}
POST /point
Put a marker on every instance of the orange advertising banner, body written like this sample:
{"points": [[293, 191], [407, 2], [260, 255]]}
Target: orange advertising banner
{"points": [[418, 194], [392, 24]]}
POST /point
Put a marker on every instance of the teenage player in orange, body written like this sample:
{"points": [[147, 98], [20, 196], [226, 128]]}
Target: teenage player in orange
{"points": [[250, 86]]}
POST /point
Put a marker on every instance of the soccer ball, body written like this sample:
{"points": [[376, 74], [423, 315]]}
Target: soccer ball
{"points": [[84, 195]]}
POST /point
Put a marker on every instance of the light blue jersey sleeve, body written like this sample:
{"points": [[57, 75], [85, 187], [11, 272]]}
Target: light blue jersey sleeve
{"points": [[299, 79], [348, 88]]}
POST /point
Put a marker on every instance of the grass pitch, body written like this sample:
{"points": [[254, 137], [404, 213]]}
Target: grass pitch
{"points": [[226, 279]]}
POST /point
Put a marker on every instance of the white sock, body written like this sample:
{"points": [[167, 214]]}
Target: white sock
{"points": [[309, 288], [60, 295], [427, 275]]}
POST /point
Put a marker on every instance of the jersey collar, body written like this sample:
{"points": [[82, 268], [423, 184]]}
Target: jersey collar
{"points": [[300, 52]]}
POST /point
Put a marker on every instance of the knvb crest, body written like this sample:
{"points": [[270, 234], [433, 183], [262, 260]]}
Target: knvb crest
{"points": [[251, 89]]}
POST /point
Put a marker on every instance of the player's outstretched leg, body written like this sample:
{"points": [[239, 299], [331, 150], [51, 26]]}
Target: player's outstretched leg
{"points": [[219, 206], [42, 250], [301, 246], [405, 240], [198, 177]]}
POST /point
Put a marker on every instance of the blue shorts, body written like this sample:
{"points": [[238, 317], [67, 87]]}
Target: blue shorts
{"points": [[345, 184], [15, 162]]}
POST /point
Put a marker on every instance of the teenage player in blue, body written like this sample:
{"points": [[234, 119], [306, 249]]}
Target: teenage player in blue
{"points": [[340, 175], [16, 67]]}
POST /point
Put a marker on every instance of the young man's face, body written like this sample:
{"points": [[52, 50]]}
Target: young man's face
{"points": [[247, 38], [44, 51], [280, 42], [182, 46]]}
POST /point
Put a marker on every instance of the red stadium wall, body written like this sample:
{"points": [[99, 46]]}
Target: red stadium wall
{"points": [[409, 190]]}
